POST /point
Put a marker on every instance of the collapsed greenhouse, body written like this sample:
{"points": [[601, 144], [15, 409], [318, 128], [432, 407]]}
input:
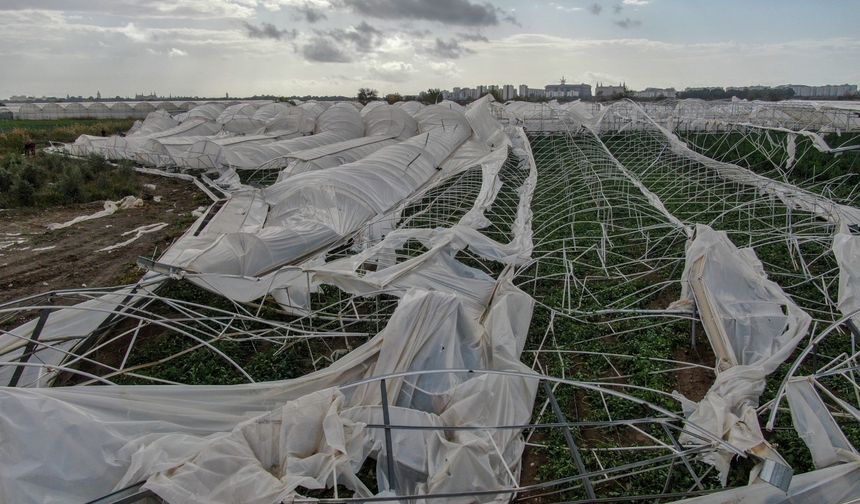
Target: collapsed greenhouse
{"points": [[494, 303]]}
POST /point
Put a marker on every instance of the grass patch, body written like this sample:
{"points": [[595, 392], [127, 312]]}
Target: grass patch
{"points": [[51, 180]]}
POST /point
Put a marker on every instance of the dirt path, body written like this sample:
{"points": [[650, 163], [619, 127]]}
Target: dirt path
{"points": [[34, 259]]}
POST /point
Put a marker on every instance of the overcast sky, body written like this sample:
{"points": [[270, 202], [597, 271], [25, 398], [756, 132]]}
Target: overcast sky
{"points": [[298, 47]]}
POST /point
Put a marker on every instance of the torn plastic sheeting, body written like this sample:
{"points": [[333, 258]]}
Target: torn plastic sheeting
{"points": [[291, 286], [110, 207], [846, 249], [790, 195], [435, 270], [816, 426], [138, 232], [429, 466], [246, 211], [831, 485], [106, 419], [520, 248], [66, 326], [752, 326], [63, 329], [314, 209]]}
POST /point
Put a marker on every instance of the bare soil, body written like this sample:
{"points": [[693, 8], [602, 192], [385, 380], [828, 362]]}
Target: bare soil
{"points": [[695, 382], [70, 257]]}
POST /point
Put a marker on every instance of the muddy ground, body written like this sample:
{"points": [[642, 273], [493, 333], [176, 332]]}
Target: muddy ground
{"points": [[34, 259]]}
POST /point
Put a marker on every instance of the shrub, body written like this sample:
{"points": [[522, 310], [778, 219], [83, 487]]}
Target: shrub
{"points": [[23, 192]]}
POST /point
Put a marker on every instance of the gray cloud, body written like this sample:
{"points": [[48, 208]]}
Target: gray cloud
{"points": [[456, 12], [310, 13], [617, 8], [628, 23], [363, 37], [595, 8], [138, 8], [270, 31], [324, 50], [450, 50], [510, 18], [472, 37]]}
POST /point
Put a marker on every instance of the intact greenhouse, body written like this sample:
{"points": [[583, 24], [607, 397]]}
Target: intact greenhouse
{"points": [[521, 302]]}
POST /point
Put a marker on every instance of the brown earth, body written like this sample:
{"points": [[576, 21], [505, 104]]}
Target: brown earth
{"points": [[74, 261], [695, 382]]}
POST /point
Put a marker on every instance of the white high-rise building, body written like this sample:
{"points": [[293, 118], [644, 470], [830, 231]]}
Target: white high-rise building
{"points": [[524, 91]]}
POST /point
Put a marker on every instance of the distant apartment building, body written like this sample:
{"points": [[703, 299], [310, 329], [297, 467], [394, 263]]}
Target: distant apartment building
{"points": [[508, 92], [656, 93], [526, 92], [829, 91], [565, 90], [602, 91]]}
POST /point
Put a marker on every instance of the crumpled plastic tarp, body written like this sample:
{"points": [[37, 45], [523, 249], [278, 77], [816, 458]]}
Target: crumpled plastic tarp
{"points": [[815, 425], [233, 443], [846, 249], [752, 326]]}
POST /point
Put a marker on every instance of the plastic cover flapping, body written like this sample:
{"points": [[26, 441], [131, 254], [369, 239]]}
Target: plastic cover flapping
{"points": [[752, 327]]}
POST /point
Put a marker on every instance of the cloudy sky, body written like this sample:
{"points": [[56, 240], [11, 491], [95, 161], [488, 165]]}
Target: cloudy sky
{"points": [[298, 47]]}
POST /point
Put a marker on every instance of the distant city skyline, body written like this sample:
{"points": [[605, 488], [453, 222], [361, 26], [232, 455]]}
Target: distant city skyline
{"points": [[333, 47], [506, 92]]}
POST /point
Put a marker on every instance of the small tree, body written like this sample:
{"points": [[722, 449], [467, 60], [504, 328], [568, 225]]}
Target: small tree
{"points": [[393, 98], [496, 95], [366, 95], [431, 96]]}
